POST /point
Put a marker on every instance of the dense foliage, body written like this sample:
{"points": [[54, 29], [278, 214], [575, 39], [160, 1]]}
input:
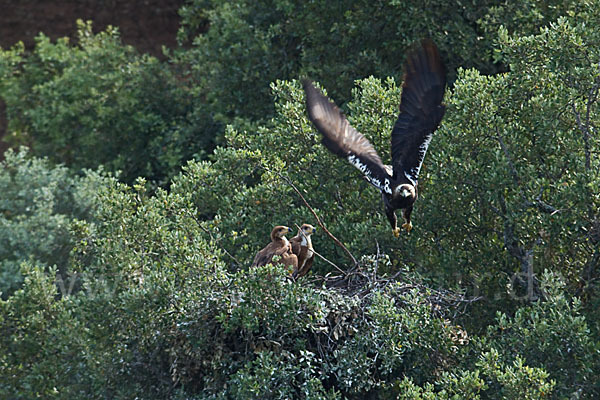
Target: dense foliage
{"points": [[135, 283], [100, 103], [338, 42], [39, 202]]}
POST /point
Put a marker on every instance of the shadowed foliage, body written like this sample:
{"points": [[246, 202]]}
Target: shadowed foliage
{"points": [[138, 284]]}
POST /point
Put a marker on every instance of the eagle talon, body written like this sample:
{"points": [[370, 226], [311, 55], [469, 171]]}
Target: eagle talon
{"points": [[407, 226], [396, 232]]}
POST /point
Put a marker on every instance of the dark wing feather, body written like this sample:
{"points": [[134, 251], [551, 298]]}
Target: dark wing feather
{"points": [[343, 140], [277, 248], [421, 110], [263, 257]]}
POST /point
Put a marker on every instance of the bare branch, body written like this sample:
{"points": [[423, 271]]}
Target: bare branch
{"points": [[316, 217], [542, 205], [525, 257], [589, 271], [586, 137], [330, 263], [538, 203], [319, 255], [511, 164], [376, 260], [592, 97]]}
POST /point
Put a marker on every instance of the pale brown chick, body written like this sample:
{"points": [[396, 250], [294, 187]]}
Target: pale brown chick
{"points": [[303, 248], [279, 246]]}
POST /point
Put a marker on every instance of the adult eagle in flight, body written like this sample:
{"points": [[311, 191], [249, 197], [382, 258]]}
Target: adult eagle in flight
{"points": [[421, 111]]}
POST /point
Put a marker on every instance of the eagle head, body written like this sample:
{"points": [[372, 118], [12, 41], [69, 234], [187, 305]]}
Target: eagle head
{"points": [[405, 190], [308, 229], [279, 231]]}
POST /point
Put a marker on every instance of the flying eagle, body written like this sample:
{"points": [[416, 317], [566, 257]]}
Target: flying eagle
{"points": [[302, 247], [279, 246], [421, 111]]}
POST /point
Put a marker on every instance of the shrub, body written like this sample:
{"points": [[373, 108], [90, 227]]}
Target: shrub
{"points": [[235, 46], [38, 204], [99, 102]]}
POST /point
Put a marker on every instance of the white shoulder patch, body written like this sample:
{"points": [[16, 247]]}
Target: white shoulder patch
{"points": [[386, 188], [414, 173], [357, 163], [382, 186], [411, 178]]}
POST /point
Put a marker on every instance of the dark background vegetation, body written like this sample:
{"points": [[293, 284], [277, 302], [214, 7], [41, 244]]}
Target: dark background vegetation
{"points": [[146, 24], [154, 146]]}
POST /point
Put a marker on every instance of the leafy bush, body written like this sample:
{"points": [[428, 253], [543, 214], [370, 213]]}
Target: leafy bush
{"points": [[155, 298], [513, 183], [552, 335], [28, 341], [37, 207], [155, 313], [99, 103], [238, 45], [243, 44]]}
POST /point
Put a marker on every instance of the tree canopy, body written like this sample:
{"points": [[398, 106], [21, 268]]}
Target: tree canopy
{"points": [[128, 225]]}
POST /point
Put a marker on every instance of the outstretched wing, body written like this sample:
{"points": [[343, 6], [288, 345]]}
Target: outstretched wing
{"points": [[421, 110], [343, 140]]}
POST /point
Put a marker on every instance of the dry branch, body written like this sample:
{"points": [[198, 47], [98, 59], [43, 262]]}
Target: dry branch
{"points": [[317, 218]]}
